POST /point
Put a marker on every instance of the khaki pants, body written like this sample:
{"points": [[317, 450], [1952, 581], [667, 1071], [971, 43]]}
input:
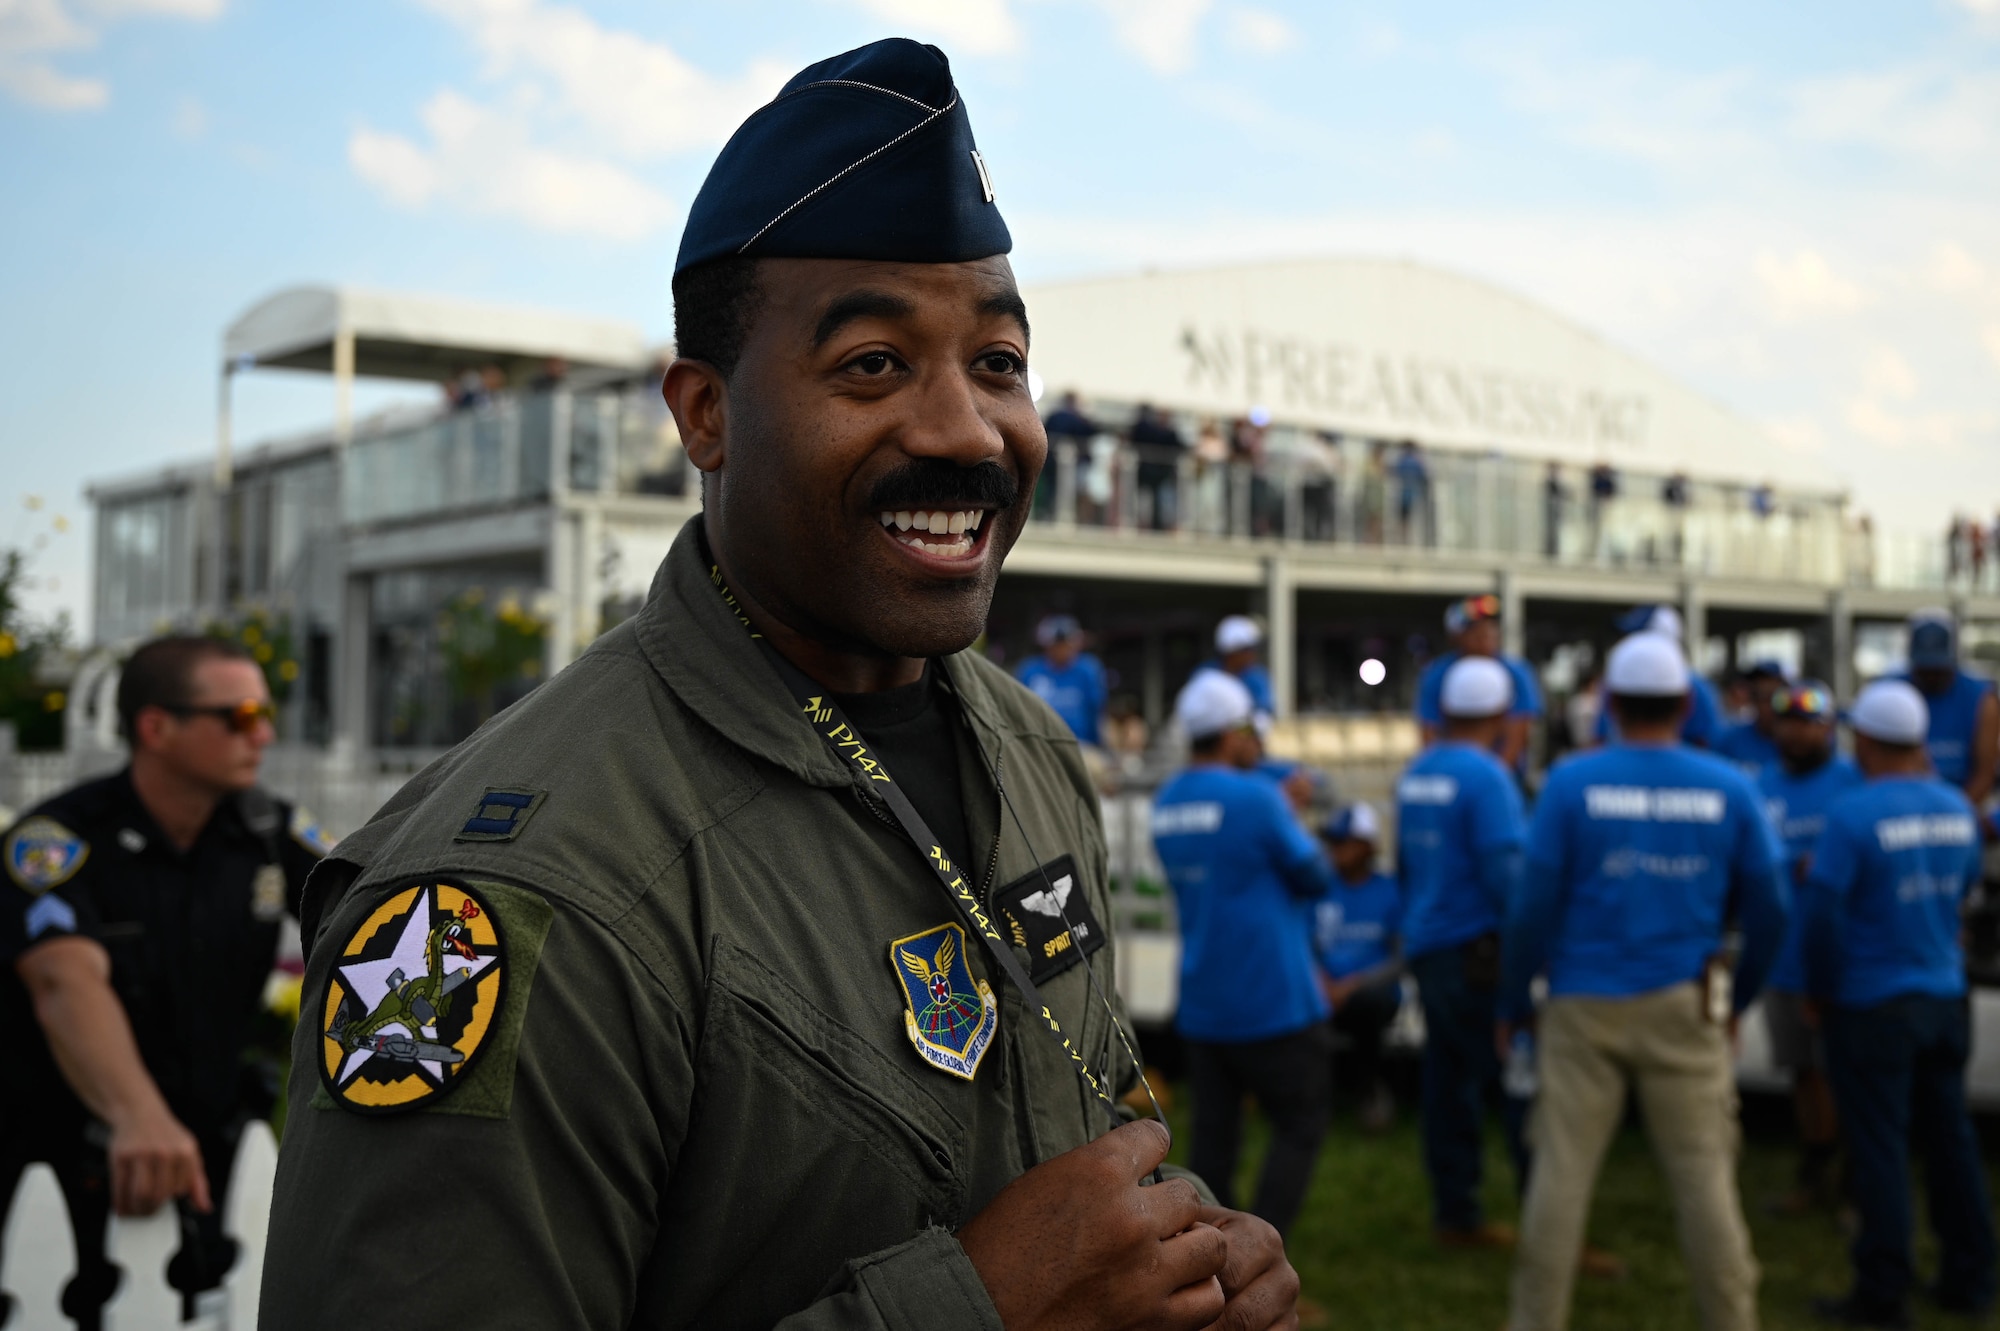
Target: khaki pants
{"points": [[1592, 1050]]}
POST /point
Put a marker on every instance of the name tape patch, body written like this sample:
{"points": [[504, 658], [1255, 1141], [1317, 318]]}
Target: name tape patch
{"points": [[1047, 913]]}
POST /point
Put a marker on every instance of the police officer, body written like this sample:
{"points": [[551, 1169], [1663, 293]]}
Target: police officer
{"points": [[1703, 721], [1473, 625], [1251, 1009], [1964, 738], [1066, 677], [1883, 962], [1358, 935], [1239, 645], [754, 971], [1809, 777], [139, 920], [1636, 856], [1752, 743], [1459, 834]]}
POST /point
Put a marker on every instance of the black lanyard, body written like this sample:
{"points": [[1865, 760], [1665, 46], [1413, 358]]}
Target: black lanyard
{"points": [[825, 715]]}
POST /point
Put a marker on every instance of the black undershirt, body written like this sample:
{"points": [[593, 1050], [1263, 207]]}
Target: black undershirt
{"points": [[913, 732]]}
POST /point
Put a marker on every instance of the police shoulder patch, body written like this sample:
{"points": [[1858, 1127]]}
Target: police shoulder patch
{"points": [[949, 1016], [305, 830], [41, 853], [411, 999]]}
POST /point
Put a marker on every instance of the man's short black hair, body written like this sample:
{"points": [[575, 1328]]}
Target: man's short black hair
{"points": [[714, 306], [1208, 745], [161, 674], [1646, 709]]}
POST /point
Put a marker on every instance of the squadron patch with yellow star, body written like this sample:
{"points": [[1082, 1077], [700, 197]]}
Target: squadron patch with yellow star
{"points": [[411, 1000], [949, 1016], [41, 853]]}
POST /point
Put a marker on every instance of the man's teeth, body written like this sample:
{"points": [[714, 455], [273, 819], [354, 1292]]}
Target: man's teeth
{"points": [[940, 521], [955, 527]]}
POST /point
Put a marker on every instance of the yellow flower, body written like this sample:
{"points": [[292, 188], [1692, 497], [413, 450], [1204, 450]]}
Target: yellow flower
{"points": [[288, 670], [510, 609], [281, 996], [473, 595], [252, 634], [54, 700], [531, 669], [34, 503], [7, 645], [263, 653], [61, 523]]}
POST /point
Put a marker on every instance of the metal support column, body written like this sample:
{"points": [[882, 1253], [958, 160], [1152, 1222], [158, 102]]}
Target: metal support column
{"points": [[1840, 640], [351, 702], [1281, 639], [1153, 680], [1694, 610], [1513, 614]]}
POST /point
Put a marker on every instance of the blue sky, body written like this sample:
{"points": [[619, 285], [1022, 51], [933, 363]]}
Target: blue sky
{"points": [[1794, 208]]}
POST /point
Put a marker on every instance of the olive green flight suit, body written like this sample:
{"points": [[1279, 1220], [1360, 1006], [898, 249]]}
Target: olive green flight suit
{"points": [[700, 1107]]}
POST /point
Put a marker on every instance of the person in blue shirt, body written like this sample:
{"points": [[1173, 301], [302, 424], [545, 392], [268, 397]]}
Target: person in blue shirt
{"points": [[1752, 744], [1459, 834], [1067, 678], [1703, 720], [1964, 738], [1473, 625], [1357, 932], [1239, 641], [1638, 855], [1885, 971], [1251, 1009], [1809, 777]]}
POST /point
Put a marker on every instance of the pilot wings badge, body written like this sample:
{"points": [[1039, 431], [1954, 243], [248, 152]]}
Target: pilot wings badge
{"points": [[949, 1016]]}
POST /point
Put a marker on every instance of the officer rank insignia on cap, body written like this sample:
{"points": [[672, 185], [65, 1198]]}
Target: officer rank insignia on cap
{"points": [[1050, 918], [41, 853], [411, 1000], [950, 1017]]}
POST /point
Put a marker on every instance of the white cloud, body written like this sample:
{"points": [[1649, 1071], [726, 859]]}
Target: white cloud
{"points": [[1161, 33], [1804, 285], [580, 111], [34, 31], [1260, 31], [482, 160], [971, 27], [1953, 272], [1980, 7], [1888, 375], [1991, 337]]}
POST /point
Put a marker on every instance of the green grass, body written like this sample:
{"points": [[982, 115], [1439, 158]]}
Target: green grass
{"points": [[1363, 1250]]}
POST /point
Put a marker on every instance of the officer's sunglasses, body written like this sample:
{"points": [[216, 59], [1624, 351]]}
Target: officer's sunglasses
{"points": [[1803, 704], [243, 717]]}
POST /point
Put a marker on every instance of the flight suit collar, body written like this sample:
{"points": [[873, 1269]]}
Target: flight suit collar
{"points": [[692, 637]]}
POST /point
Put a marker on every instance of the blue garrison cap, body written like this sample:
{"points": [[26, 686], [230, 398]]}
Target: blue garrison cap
{"points": [[868, 155]]}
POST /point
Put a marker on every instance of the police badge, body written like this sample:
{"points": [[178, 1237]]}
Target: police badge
{"points": [[949, 1016]]}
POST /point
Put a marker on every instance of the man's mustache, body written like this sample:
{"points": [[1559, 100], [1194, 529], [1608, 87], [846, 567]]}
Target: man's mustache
{"points": [[933, 483]]}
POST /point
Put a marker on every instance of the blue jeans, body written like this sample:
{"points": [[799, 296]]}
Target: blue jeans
{"points": [[1898, 1072], [1461, 1068]]}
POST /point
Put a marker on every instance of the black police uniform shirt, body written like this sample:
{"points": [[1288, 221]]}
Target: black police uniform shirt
{"points": [[192, 936]]}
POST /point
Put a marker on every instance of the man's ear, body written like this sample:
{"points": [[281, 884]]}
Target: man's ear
{"points": [[149, 726], [698, 396]]}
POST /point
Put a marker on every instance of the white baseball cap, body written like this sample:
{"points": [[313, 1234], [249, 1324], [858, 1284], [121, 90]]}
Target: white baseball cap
{"points": [[1476, 686], [1358, 821], [1214, 701], [1891, 711], [1648, 664], [1237, 633]]}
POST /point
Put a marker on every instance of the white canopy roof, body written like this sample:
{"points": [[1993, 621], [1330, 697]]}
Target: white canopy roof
{"points": [[1390, 349], [398, 336]]}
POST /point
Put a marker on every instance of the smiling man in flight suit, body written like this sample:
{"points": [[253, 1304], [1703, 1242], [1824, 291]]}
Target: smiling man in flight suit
{"points": [[649, 1006]]}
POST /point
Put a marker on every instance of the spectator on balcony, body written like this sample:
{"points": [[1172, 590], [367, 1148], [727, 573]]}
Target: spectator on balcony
{"points": [[1066, 425], [1319, 485], [1555, 502], [1676, 495], [1208, 506], [1066, 677], [1375, 493], [1239, 642], [1473, 625], [1603, 491], [1764, 500], [553, 374], [1954, 547], [1415, 511], [1964, 713], [1159, 447]]}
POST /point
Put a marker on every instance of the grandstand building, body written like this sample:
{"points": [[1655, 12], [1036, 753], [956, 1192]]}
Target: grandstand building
{"points": [[1358, 442]]}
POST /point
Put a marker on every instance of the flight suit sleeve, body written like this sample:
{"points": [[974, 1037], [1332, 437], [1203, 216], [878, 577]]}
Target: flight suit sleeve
{"points": [[525, 1195]]}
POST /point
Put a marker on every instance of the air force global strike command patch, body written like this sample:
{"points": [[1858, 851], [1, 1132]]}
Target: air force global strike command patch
{"points": [[41, 853], [1048, 914], [411, 999], [950, 1016]]}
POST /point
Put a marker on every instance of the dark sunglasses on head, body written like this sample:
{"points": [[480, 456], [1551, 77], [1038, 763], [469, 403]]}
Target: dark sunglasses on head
{"points": [[243, 717], [1809, 704], [1482, 607]]}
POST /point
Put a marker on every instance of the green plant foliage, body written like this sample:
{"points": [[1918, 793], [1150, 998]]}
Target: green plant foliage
{"points": [[267, 639], [489, 647], [27, 651]]}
